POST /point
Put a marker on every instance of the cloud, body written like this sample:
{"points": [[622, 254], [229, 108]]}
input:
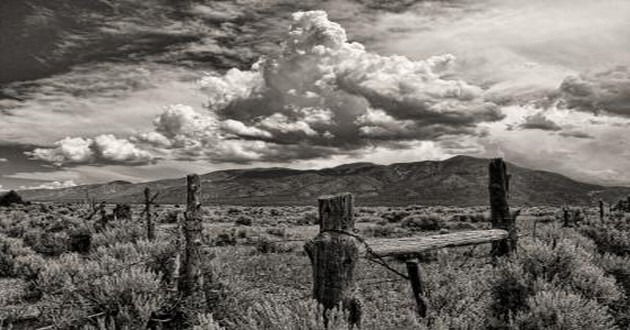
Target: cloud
{"points": [[606, 91], [103, 148], [51, 185], [3, 160], [539, 121], [576, 134], [321, 96]]}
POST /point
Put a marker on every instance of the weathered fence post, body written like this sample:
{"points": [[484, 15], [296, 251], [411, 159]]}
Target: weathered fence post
{"points": [[416, 286], [566, 218], [148, 200], [601, 210], [103, 212], [334, 253], [500, 210], [190, 273]]}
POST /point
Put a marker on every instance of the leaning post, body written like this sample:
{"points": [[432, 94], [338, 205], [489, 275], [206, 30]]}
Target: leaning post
{"points": [[413, 270], [190, 270], [500, 210], [334, 254]]}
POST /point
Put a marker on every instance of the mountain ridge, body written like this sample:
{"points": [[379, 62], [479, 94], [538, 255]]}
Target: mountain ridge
{"points": [[460, 180]]}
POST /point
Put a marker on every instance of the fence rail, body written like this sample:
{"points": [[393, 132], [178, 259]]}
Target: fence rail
{"points": [[388, 247]]}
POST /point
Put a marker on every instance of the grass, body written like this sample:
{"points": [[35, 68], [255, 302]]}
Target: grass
{"points": [[258, 276]]}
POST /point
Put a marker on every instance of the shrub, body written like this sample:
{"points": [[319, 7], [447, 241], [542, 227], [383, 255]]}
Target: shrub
{"points": [[265, 245], [609, 239], [207, 322], [122, 211], [244, 220], [308, 218], [172, 216], [233, 211], [510, 290], [422, 222], [11, 249], [47, 243], [563, 310], [122, 280], [225, 238], [279, 232], [395, 216], [11, 198], [387, 230], [80, 240], [120, 231]]}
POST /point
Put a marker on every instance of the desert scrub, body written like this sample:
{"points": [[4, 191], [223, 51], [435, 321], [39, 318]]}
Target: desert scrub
{"points": [[609, 239], [570, 265], [244, 220], [395, 216], [563, 310], [386, 230], [119, 231], [563, 264], [423, 222], [125, 281], [11, 250]]}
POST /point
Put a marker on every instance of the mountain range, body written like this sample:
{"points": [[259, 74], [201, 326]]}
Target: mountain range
{"points": [[461, 180]]}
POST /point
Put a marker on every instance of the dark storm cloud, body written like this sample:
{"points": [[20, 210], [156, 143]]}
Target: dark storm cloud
{"points": [[601, 92], [539, 121]]}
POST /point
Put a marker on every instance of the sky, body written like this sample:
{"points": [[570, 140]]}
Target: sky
{"points": [[213, 85]]}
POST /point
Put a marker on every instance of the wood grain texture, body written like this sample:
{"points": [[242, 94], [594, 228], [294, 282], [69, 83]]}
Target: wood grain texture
{"points": [[387, 247]]}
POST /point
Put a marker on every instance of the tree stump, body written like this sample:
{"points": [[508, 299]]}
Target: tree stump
{"points": [[500, 210], [334, 254]]}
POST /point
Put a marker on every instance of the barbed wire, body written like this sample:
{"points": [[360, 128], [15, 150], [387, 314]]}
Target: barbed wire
{"points": [[376, 257]]}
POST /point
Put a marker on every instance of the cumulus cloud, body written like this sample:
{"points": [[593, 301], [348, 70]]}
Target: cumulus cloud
{"points": [[321, 96], [607, 91], [102, 149], [539, 121], [324, 91], [51, 185]]}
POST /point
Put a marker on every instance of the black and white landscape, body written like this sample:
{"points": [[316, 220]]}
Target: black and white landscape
{"points": [[434, 164]]}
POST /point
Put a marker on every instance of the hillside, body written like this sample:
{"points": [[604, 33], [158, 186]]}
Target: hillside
{"points": [[460, 180]]}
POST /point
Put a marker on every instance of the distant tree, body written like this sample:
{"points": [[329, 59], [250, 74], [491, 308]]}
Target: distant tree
{"points": [[11, 198]]}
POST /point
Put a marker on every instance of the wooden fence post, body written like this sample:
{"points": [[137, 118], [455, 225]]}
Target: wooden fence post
{"points": [[190, 276], [413, 271], [103, 214], [148, 200], [601, 210], [334, 253], [500, 210]]}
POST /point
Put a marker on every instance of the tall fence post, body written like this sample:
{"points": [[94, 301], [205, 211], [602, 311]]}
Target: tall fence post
{"points": [[190, 273], [148, 200], [500, 210], [334, 254], [601, 210]]}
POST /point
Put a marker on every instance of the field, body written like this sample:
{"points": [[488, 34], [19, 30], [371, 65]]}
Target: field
{"points": [[257, 275]]}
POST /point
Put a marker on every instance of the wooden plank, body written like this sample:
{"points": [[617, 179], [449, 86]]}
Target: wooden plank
{"points": [[387, 247]]}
